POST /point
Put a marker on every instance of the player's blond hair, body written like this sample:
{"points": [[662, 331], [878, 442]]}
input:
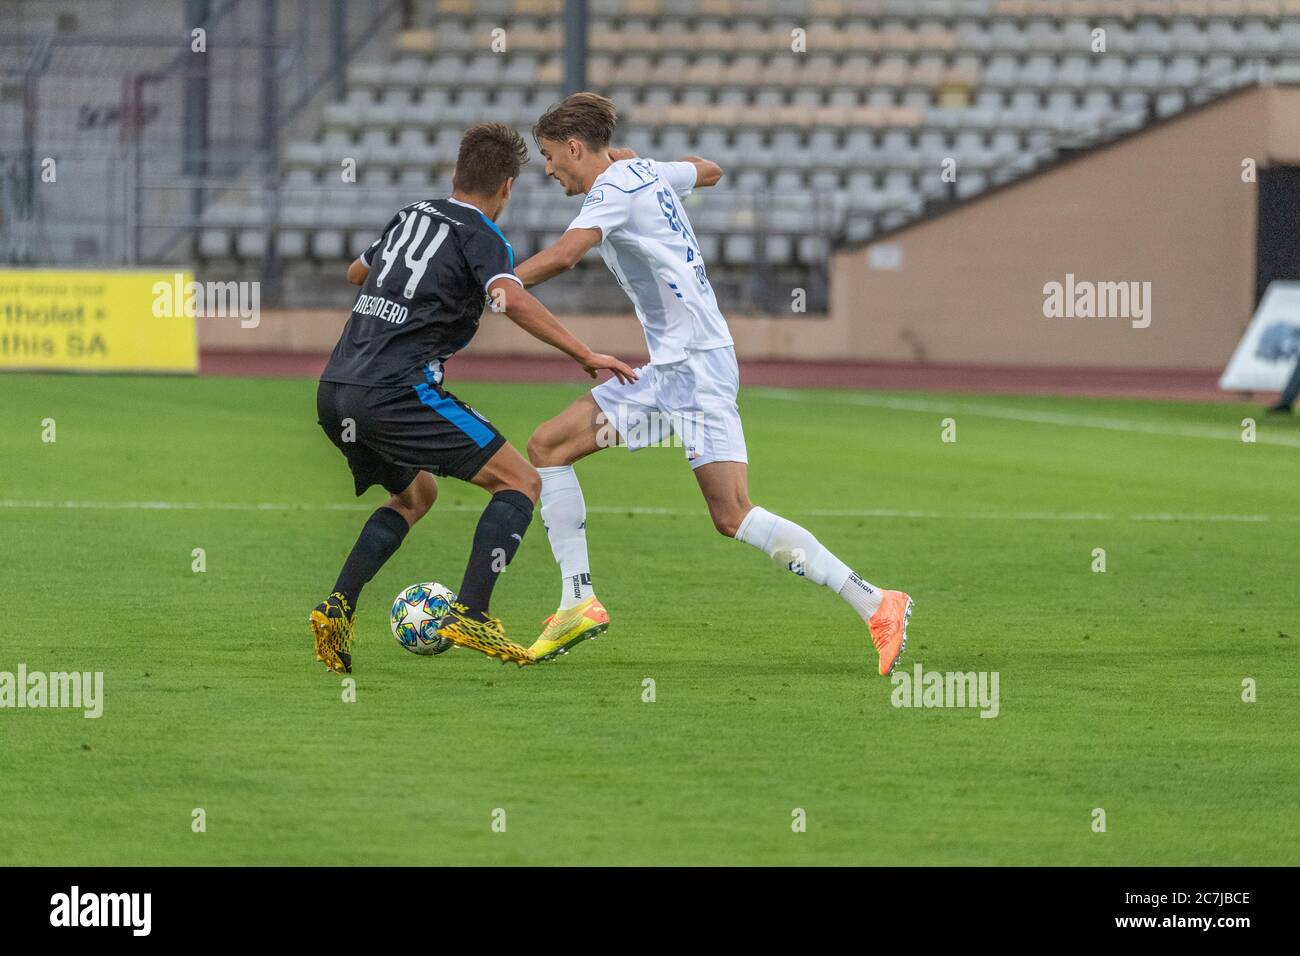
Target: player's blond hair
{"points": [[587, 117]]}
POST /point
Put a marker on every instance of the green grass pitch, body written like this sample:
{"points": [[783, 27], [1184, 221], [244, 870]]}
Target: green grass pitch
{"points": [[1119, 690]]}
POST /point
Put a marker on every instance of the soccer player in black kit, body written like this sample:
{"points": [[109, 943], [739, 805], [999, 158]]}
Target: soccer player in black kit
{"points": [[424, 284]]}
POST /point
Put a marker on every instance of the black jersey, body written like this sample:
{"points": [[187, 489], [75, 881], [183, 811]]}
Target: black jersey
{"points": [[422, 301]]}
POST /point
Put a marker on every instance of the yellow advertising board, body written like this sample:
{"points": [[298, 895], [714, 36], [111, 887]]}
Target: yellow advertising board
{"points": [[93, 321]]}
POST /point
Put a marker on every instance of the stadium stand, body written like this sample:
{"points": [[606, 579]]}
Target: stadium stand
{"points": [[835, 119]]}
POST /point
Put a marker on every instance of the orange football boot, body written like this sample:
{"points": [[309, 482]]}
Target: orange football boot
{"points": [[888, 628]]}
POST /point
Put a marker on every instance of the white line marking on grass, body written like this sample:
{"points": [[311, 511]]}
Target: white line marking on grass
{"points": [[1040, 515], [1024, 415], [678, 512], [275, 506]]}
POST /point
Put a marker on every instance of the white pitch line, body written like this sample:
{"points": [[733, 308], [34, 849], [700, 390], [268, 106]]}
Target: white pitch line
{"points": [[1039, 515], [277, 506], [1021, 415], [669, 512]]}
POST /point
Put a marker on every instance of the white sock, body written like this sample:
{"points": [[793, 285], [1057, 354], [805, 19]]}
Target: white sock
{"points": [[564, 515], [795, 549], [862, 597]]}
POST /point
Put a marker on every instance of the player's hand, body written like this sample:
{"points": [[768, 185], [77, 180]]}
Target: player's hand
{"points": [[596, 361], [621, 152]]}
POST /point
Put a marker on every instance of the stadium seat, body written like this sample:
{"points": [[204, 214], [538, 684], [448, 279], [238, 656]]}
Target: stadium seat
{"points": [[887, 90]]}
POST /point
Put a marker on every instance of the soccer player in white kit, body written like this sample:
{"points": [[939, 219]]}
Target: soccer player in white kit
{"points": [[633, 211]]}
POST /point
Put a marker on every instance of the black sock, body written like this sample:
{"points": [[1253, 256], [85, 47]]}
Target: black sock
{"points": [[381, 536], [498, 536]]}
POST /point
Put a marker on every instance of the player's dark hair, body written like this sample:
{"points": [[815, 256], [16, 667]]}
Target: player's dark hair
{"points": [[588, 117], [490, 153]]}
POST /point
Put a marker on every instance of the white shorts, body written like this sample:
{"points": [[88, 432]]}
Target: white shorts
{"points": [[691, 403]]}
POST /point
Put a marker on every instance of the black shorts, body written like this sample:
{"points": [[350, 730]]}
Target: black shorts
{"points": [[389, 435]]}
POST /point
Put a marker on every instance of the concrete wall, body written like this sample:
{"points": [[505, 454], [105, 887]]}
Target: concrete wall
{"points": [[317, 331]]}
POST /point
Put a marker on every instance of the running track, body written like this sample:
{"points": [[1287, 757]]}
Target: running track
{"points": [[1169, 384]]}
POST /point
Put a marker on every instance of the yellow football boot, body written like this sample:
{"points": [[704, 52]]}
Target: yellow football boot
{"points": [[331, 623], [484, 634], [570, 626]]}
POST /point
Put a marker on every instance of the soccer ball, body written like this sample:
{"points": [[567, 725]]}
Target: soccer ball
{"points": [[415, 617]]}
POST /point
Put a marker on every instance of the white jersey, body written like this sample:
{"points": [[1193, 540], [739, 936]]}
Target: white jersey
{"points": [[648, 243]]}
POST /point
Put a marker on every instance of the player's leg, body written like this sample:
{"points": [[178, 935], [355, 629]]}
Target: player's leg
{"points": [[709, 420], [383, 534], [514, 486], [422, 428], [725, 485], [379, 540], [555, 445], [1287, 399], [344, 418], [578, 431], [597, 420]]}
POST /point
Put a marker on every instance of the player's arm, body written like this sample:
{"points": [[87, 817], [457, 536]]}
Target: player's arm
{"points": [[707, 172], [522, 308], [359, 269], [561, 257]]}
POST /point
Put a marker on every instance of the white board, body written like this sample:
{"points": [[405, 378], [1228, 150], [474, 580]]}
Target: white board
{"points": [[1267, 353]]}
